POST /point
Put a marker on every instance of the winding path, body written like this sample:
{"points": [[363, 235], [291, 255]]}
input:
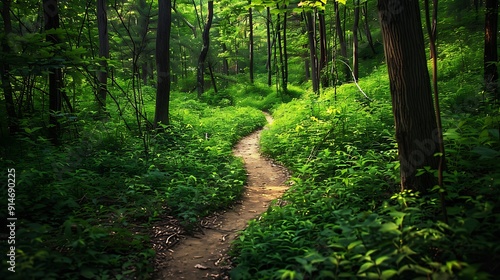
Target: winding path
{"points": [[204, 256]]}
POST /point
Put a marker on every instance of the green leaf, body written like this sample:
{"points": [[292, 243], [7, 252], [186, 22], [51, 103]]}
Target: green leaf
{"points": [[386, 274], [365, 267], [381, 259], [390, 227]]}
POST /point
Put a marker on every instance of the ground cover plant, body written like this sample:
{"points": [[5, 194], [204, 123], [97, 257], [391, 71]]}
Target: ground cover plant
{"points": [[119, 115], [345, 217], [97, 198]]}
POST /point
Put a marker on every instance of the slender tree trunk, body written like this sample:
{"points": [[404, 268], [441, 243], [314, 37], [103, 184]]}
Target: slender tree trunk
{"points": [[250, 23], [323, 60], [312, 51], [102, 73], [491, 48], [163, 62], [225, 63], [51, 15], [285, 55], [355, 62], [5, 70], [269, 52], [368, 33], [204, 49], [280, 47], [342, 41], [411, 94]]}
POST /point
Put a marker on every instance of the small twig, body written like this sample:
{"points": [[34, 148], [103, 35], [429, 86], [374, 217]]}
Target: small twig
{"points": [[356, 82]]}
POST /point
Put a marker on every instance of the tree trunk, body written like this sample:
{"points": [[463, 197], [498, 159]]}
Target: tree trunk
{"points": [[285, 55], [5, 71], [490, 48], [411, 93], [355, 62], [250, 23], [163, 62], [342, 41], [51, 16], [102, 73], [312, 51], [323, 49], [225, 63], [269, 52], [204, 49], [368, 33], [280, 47]]}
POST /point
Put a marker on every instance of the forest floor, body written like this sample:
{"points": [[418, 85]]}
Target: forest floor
{"points": [[204, 255]]}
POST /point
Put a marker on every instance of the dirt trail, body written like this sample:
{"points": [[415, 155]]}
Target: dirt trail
{"points": [[203, 256]]}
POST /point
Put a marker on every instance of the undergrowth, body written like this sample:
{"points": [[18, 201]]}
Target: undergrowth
{"points": [[345, 217], [84, 210]]}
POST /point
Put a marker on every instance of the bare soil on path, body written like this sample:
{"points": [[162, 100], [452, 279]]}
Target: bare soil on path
{"points": [[204, 256]]}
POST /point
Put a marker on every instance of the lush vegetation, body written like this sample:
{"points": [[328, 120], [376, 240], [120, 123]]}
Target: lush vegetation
{"points": [[85, 205], [345, 217], [89, 206]]}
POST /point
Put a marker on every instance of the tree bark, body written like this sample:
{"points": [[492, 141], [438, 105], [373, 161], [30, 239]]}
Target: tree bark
{"points": [[250, 23], [102, 73], [312, 51], [323, 49], [51, 16], [490, 48], [163, 62], [355, 62], [411, 93], [269, 52], [204, 49], [342, 41], [368, 33], [5, 70]]}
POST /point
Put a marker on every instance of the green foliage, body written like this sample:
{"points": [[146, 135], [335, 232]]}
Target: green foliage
{"points": [[97, 195], [344, 216]]}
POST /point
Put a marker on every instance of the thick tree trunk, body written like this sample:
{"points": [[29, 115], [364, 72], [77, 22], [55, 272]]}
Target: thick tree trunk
{"points": [[51, 16], [163, 62], [102, 74], [5, 71], [204, 49], [491, 48], [411, 93], [312, 51], [250, 23]]}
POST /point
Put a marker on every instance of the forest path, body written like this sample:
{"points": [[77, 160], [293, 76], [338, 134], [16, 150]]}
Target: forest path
{"points": [[204, 256]]}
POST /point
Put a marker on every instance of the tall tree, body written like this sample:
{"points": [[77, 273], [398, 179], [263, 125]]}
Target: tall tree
{"points": [[102, 73], [51, 16], [323, 57], [250, 25], [204, 49], [411, 93], [340, 34], [269, 45], [491, 48], [355, 27], [163, 62], [311, 34], [5, 70]]}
